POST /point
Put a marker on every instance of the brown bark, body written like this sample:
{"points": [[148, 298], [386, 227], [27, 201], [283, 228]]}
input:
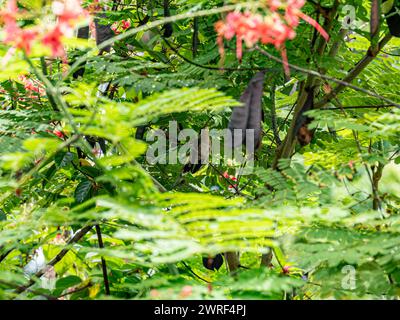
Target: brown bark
{"points": [[232, 259], [376, 177]]}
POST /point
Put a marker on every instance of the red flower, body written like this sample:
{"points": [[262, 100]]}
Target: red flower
{"points": [[286, 269], [274, 4], [9, 14], [53, 40], [114, 27], [68, 12], [57, 133], [25, 38], [94, 7], [14, 35], [227, 176], [30, 85], [186, 292], [273, 29], [122, 25], [154, 293], [315, 24], [125, 24]]}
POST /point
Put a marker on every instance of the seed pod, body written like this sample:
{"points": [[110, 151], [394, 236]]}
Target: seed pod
{"points": [[168, 26], [140, 131], [392, 13], [250, 115], [256, 114], [103, 32], [375, 18], [83, 33]]}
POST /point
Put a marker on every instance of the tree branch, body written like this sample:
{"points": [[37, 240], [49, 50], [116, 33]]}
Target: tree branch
{"points": [[360, 66], [341, 83]]}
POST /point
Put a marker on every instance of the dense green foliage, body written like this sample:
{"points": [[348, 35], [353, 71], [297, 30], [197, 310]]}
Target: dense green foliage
{"points": [[328, 211]]}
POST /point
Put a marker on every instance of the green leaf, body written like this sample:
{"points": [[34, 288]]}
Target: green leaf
{"points": [[3, 216], [67, 282], [83, 191], [91, 171], [63, 159]]}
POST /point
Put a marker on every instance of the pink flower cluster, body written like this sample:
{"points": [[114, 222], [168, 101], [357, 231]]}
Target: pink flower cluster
{"points": [[68, 13], [32, 86], [275, 28], [120, 26], [228, 177], [20, 38], [56, 132]]}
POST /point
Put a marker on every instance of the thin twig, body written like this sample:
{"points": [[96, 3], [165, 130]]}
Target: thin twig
{"points": [[227, 180], [103, 261], [361, 107], [194, 273], [216, 68]]}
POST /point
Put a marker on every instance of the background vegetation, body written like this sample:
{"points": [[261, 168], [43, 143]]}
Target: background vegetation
{"points": [[76, 225]]}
